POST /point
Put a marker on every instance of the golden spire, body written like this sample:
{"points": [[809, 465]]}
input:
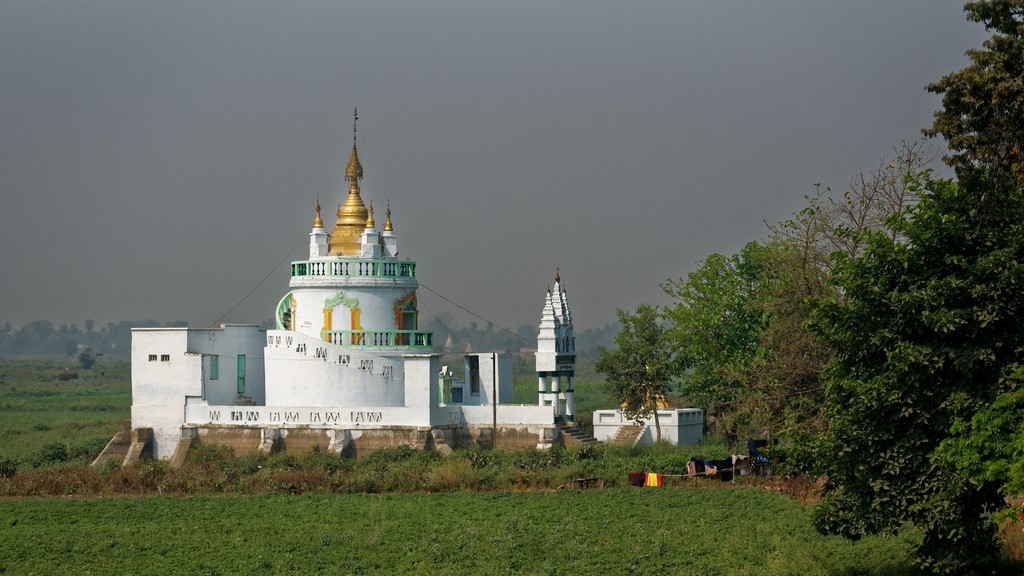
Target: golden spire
{"points": [[369, 220], [558, 276], [388, 227], [318, 222], [345, 239], [354, 170]]}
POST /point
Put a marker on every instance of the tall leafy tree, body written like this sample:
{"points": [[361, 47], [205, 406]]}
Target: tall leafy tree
{"points": [[930, 333], [983, 104], [715, 330], [739, 323], [640, 370], [927, 334]]}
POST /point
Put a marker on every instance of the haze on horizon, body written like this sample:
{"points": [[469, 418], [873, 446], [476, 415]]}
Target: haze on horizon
{"points": [[158, 160]]}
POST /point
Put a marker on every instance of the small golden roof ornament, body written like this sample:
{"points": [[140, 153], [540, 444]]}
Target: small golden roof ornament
{"points": [[388, 227], [318, 222], [558, 275], [369, 219], [354, 170], [352, 215]]}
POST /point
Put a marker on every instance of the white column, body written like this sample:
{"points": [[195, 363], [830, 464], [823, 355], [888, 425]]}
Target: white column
{"points": [[556, 380], [542, 387], [570, 400]]}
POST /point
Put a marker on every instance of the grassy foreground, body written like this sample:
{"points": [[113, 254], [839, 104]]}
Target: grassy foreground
{"points": [[397, 511], [44, 420], [612, 531]]}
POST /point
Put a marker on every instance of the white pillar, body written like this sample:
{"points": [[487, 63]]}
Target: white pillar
{"points": [[570, 400], [542, 387], [555, 382]]}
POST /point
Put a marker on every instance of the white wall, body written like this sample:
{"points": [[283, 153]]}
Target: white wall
{"points": [[305, 371], [507, 415], [376, 304], [170, 365], [162, 375], [495, 373], [227, 344], [678, 425]]}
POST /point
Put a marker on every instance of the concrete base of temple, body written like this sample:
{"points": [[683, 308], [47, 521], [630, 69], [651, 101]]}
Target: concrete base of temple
{"points": [[350, 443]]}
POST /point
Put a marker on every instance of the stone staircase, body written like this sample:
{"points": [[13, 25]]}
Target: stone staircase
{"points": [[573, 436], [188, 439], [117, 448], [627, 435], [440, 445], [127, 446]]}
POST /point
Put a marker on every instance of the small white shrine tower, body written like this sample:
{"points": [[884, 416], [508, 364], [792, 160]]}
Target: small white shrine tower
{"points": [[556, 355]]}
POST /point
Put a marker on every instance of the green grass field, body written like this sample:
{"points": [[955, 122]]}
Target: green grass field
{"points": [[612, 531], [394, 512], [38, 411]]}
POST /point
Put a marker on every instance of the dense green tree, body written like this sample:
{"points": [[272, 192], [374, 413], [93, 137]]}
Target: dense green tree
{"points": [[87, 358], [739, 323], [639, 371], [990, 446], [715, 330], [982, 115], [929, 331], [923, 400]]}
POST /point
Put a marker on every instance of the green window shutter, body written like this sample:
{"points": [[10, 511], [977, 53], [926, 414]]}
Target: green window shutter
{"points": [[241, 373]]}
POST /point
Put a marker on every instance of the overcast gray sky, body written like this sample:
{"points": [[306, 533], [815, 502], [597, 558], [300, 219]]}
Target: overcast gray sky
{"points": [[158, 159]]}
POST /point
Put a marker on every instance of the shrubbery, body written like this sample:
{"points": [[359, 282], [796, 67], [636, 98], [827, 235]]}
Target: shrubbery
{"points": [[60, 469]]}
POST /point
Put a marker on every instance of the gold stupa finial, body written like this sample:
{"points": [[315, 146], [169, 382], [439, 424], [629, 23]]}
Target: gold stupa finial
{"points": [[388, 227], [354, 170], [558, 275], [352, 215], [369, 219], [318, 222]]}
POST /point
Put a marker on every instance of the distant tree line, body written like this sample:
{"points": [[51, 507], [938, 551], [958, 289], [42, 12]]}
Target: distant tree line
{"points": [[43, 338], [487, 337]]}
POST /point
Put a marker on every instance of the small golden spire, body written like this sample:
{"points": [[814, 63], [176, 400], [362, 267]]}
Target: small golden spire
{"points": [[354, 170], [558, 276], [318, 222], [369, 219], [388, 227], [352, 215]]}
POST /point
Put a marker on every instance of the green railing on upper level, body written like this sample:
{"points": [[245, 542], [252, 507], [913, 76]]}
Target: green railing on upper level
{"points": [[348, 268], [380, 338]]}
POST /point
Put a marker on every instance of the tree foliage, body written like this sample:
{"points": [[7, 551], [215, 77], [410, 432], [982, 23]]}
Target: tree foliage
{"points": [[715, 329], [924, 336], [983, 103], [924, 399], [87, 358], [639, 371], [739, 323]]}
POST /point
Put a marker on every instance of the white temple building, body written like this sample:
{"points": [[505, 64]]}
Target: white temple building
{"points": [[347, 367]]}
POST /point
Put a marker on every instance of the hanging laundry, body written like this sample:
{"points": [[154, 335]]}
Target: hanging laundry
{"points": [[654, 480]]}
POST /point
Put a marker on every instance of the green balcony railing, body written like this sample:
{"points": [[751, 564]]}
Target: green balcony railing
{"points": [[366, 268], [380, 338]]}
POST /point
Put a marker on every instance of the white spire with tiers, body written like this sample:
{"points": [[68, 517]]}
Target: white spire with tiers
{"points": [[556, 354]]}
